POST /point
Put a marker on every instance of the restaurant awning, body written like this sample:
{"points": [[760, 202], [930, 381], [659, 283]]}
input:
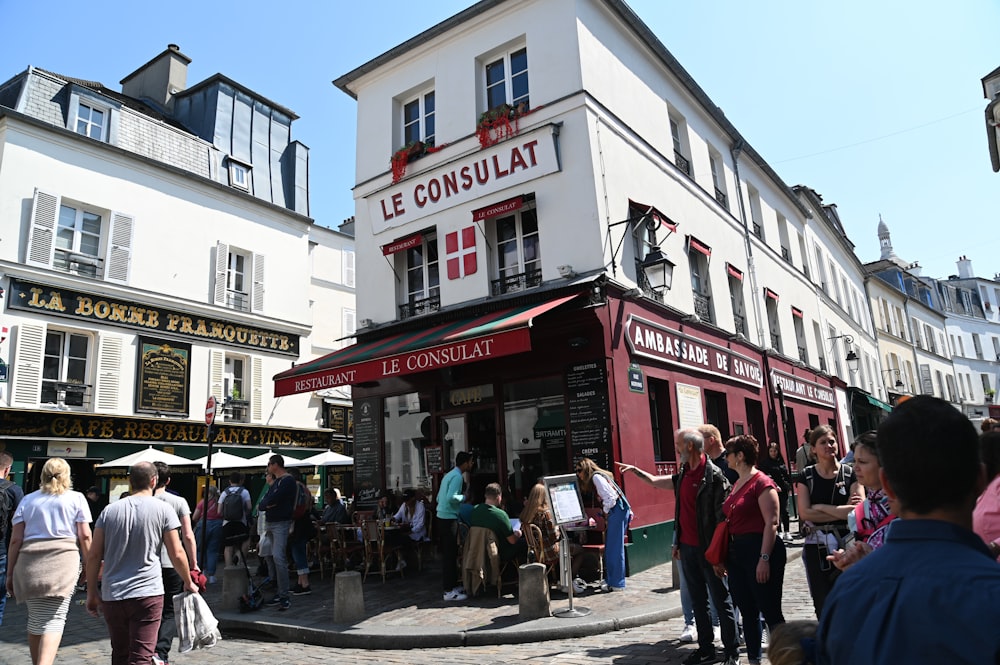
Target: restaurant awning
{"points": [[492, 335], [876, 402]]}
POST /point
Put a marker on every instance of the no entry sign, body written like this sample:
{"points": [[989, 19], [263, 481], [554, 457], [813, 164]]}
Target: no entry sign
{"points": [[210, 411]]}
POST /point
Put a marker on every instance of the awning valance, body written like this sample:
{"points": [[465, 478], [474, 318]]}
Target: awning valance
{"points": [[699, 246], [550, 425], [403, 244], [768, 293], [876, 402], [734, 271], [492, 335]]}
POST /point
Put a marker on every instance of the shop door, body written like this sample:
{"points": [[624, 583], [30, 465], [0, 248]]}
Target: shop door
{"points": [[474, 432]]}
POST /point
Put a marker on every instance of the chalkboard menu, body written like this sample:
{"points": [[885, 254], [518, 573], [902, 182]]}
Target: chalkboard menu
{"points": [[589, 424], [432, 455], [367, 450], [163, 377]]}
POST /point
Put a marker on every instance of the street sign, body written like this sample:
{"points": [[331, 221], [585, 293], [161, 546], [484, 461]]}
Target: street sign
{"points": [[210, 411]]}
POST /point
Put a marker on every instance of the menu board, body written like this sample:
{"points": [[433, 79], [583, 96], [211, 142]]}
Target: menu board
{"points": [[163, 376], [565, 499], [432, 456], [589, 423], [367, 450]]}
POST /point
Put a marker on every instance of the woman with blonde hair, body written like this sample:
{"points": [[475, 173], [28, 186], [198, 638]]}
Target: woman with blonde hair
{"points": [[50, 533], [617, 515], [536, 511]]}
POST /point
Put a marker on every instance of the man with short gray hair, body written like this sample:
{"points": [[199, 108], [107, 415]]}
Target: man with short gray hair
{"points": [[14, 494]]}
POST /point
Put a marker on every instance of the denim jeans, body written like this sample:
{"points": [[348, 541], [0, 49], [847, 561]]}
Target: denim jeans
{"points": [[614, 546], [210, 559], [172, 585], [3, 581], [686, 599], [277, 563], [753, 598], [703, 583]]}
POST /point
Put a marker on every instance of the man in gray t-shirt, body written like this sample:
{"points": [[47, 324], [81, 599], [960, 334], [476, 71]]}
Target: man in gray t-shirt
{"points": [[128, 536]]}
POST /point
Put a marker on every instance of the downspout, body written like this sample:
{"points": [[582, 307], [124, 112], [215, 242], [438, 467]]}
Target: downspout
{"points": [[736, 150]]}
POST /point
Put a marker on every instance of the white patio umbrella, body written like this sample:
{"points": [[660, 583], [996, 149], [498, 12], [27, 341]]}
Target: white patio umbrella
{"points": [[261, 460], [177, 463], [330, 458], [224, 460]]}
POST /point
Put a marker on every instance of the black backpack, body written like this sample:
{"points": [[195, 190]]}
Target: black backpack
{"points": [[232, 505], [6, 508]]}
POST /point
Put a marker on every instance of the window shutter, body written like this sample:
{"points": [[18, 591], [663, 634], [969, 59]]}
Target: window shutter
{"points": [[109, 364], [119, 248], [258, 283], [349, 268], [44, 217], [221, 266], [256, 390], [349, 322], [26, 384], [216, 364]]}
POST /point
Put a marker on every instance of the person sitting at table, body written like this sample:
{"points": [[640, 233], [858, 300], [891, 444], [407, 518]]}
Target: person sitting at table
{"points": [[412, 514], [384, 510], [489, 514], [335, 512], [536, 511]]}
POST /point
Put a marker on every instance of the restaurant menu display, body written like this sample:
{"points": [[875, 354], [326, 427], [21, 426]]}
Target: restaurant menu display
{"points": [[163, 377], [589, 423], [565, 499], [367, 453]]}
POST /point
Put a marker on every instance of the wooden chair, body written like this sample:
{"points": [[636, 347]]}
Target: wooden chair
{"points": [[600, 526], [427, 544], [362, 516], [536, 547], [347, 543], [376, 550]]}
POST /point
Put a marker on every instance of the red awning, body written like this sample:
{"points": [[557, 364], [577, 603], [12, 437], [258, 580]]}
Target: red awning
{"points": [[657, 216], [768, 293], [796, 312], [734, 271], [699, 246], [483, 337], [402, 244], [497, 209]]}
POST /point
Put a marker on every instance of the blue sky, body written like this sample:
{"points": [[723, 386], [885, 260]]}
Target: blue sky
{"points": [[876, 105]]}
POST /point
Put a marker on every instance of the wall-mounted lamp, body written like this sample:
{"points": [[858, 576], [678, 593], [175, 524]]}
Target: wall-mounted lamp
{"points": [[853, 362], [656, 267], [365, 323], [899, 385]]}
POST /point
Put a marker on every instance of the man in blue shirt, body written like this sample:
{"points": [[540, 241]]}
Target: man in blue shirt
{"points": [[450, 497], [929, 595]]}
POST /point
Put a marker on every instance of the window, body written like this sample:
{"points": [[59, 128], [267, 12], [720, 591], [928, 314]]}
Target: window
{"points": [[786, 247], [64, 368], [756, 216], [519, 256], [239, 278], [738, 303], [347, 276], [701, 288], [423, 290], [91, 121], [718, 178], [821, 270], [800, 335], [977, 343], [802, 253], [507, 80], [239, 174], [678, 134], [774, 327], [820, 346], [348, 322], [996, 347], [236, 405], [73, 237], [418, 119]]}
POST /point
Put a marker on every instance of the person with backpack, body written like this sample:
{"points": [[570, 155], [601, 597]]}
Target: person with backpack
{"points": [[278, 505], [10, 496], [236, 509], [302, 532]]}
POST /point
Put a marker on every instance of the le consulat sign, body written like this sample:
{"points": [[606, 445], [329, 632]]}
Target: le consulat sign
{"points": [[79, 305]]}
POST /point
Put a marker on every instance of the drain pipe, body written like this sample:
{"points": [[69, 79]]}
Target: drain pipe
{"points": [[736, 151]]}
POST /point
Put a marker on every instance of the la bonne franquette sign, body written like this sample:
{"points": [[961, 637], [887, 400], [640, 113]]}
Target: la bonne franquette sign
{"points": [[512, 162]]}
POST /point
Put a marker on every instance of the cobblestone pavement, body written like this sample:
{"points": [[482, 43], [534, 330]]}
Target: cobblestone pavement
{"points": [[85, 640]]}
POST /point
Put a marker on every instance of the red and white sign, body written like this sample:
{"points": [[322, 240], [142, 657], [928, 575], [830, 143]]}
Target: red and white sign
{"points": [[470, 350], [461, 257], [657, 342], [497, 209], [798, 388], [403, 244], [210, 409], [512, 162]]}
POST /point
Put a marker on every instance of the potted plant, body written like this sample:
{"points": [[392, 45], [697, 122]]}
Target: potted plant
{"points": [[495, 125], [989, 394], [404, 156]]}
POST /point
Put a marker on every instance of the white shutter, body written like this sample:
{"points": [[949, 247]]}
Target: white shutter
{"points": [[216, 366], [257, 296], [109, 370], [26, 383], [119, 257], [349, 322], [41, 242], [256, 390], [349, 268], [221, 267]]}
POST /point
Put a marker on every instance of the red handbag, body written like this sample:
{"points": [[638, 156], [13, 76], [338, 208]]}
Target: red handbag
{"points": [[718, 549]]}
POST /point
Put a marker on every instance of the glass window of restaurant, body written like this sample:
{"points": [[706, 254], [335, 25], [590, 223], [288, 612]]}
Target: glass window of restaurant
{"points": [[406, 423], [535, 433]]}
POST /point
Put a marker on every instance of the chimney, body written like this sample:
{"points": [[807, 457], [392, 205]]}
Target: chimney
{"points": [[159, 79], [965, 268], [914, 269]]}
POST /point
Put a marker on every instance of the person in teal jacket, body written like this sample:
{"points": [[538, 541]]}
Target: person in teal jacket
{"points": [[450, 497]]}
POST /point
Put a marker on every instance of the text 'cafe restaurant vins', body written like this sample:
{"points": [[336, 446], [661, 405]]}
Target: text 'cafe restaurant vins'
{"points": [[533, 383]]}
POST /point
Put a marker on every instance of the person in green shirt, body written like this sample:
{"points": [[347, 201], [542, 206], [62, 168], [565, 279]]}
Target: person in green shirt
{"points": [[490, 515]]}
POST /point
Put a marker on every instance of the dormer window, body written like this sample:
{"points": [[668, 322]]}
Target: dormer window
{"points": [[239, 174]]}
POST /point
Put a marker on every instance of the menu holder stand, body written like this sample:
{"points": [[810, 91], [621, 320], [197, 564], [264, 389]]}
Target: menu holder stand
{"points": [[567, 508]]}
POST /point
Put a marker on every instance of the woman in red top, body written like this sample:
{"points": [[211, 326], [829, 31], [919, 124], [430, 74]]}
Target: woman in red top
{"points": [[756, 561]]}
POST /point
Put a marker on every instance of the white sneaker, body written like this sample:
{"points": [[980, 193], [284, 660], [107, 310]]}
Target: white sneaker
{"points": [[689, 634], [765, 637], [454, 596], [400, 565], [603, 588], [717, 633], [579, 586], [211, 579]]}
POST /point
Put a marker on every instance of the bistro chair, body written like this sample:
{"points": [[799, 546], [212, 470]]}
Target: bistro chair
{"points": [[376, 550], [427, 544], [600, 527], [536, 547], [347, 543]]}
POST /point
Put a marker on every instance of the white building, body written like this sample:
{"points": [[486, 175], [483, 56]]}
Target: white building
{"points": [[156, 252]]}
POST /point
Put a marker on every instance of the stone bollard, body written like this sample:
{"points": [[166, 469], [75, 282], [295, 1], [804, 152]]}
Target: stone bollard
{"points": [[532, 592], [348, 597], [234, 585]]}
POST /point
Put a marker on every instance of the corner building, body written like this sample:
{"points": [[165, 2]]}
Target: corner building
{"points": [[525, 172]]}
